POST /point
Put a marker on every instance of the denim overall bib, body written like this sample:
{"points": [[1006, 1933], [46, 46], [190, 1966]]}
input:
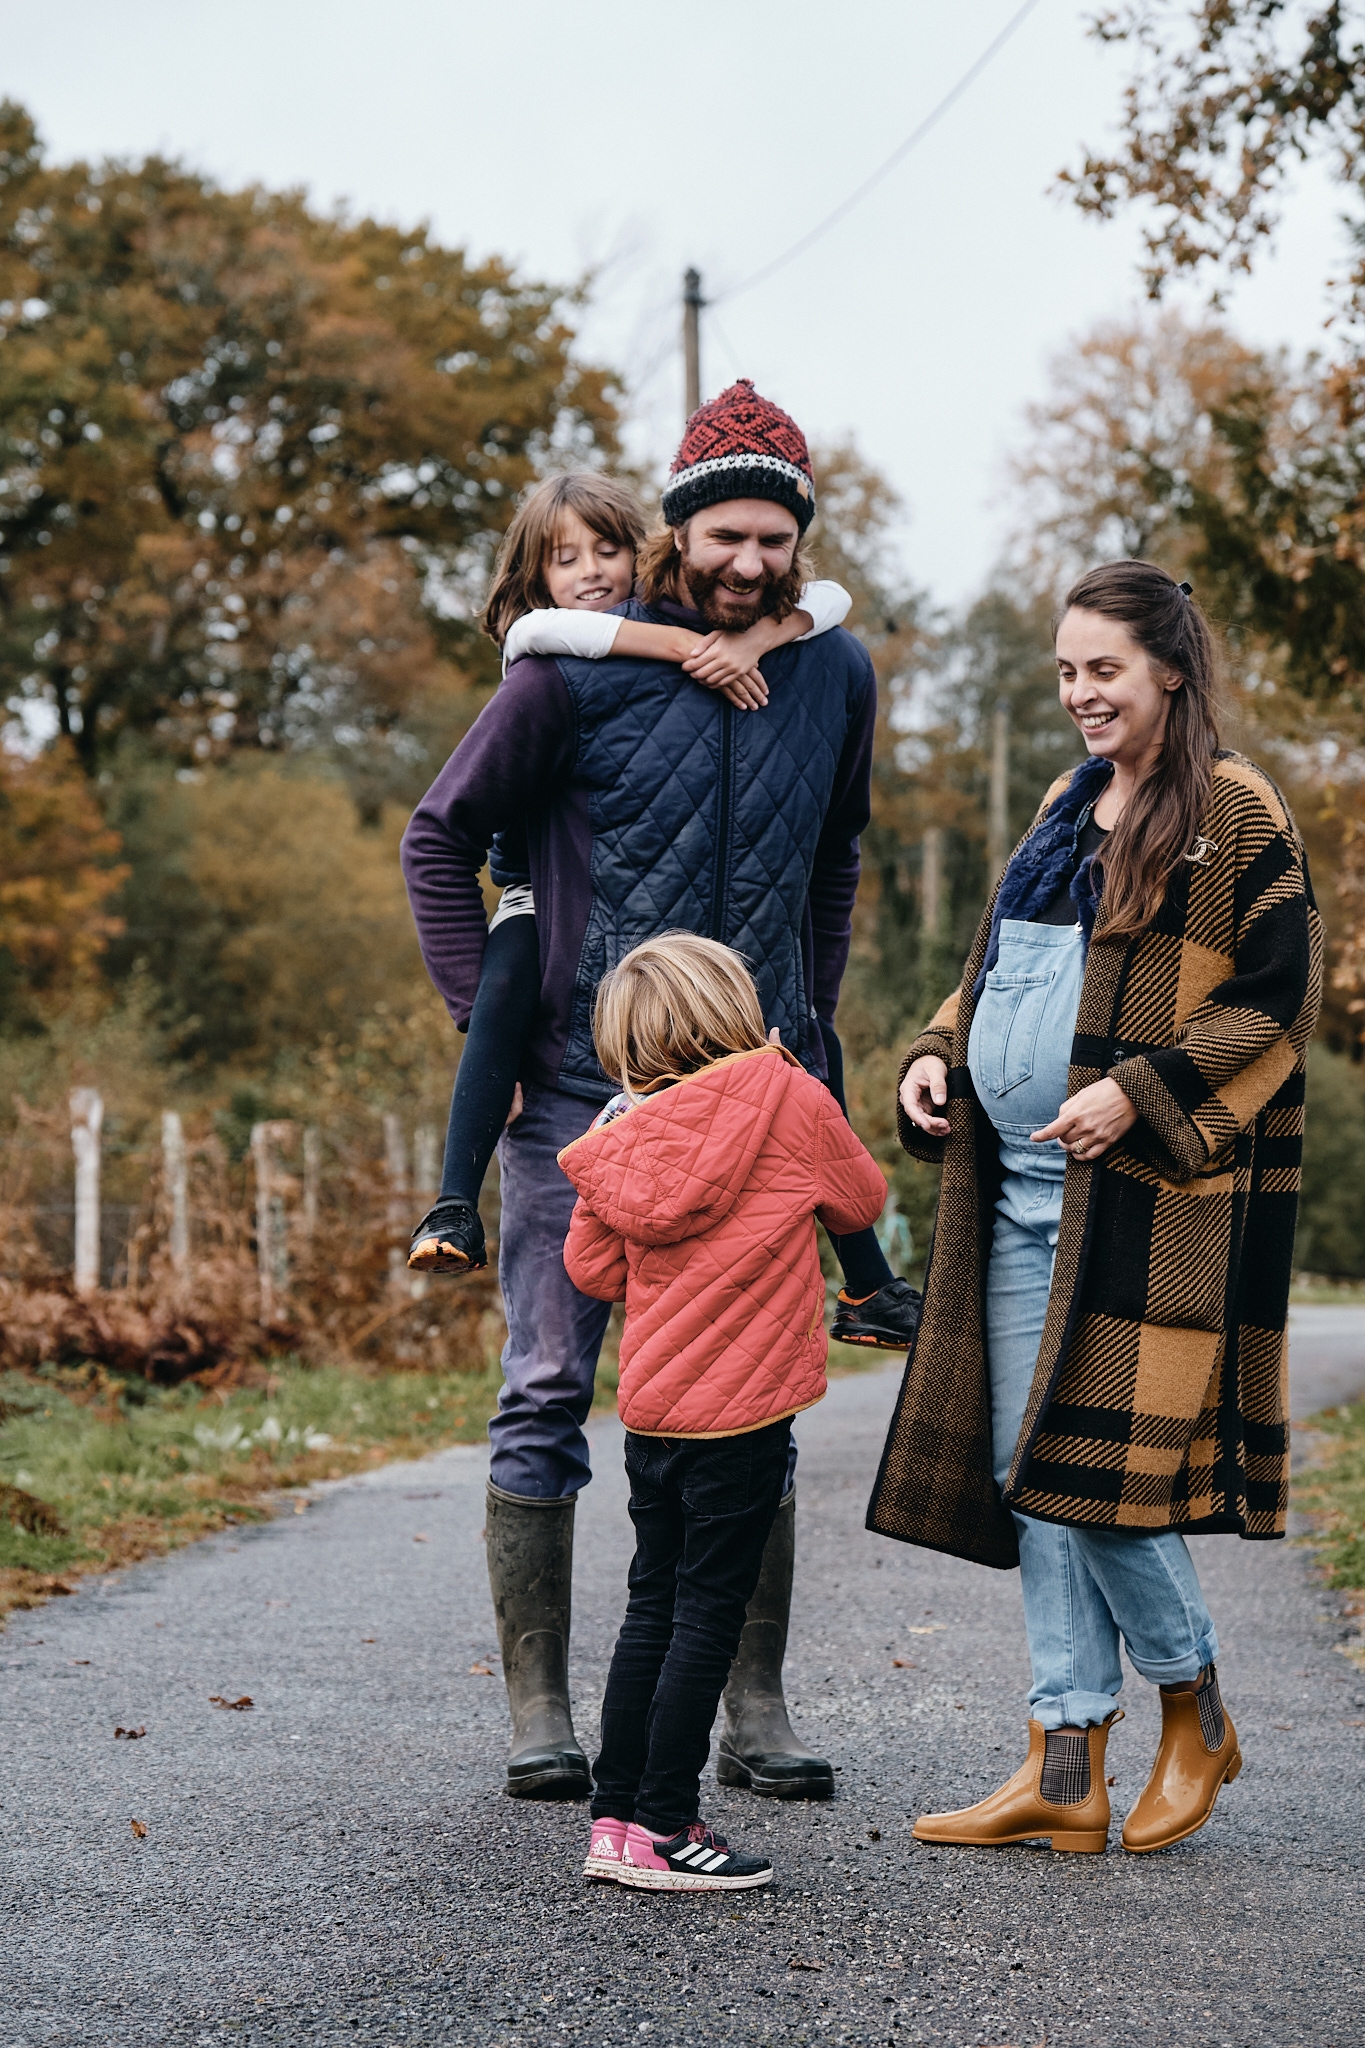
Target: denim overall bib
{"points": [[1083, 1588]]}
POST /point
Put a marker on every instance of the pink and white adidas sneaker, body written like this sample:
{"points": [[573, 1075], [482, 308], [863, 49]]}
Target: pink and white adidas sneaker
{"points": [[605, 1844], [696, 1859]]}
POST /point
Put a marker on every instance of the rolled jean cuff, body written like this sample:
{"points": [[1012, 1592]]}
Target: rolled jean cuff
{"points": [[1074, 1710], [654, 1824], [1171, 1670]]}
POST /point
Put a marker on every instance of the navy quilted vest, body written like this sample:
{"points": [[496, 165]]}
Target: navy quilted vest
{"points": [[706, 819]]}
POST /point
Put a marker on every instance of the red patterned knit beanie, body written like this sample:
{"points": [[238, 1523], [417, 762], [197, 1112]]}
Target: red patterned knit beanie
{"points": [[740, 446]]}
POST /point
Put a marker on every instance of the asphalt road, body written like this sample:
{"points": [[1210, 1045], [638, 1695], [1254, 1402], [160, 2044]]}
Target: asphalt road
{"points": [[1326, 1358], [337, 1863]]}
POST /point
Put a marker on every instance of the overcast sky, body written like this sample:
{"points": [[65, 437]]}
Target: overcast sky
{"points": [[716, 132]]}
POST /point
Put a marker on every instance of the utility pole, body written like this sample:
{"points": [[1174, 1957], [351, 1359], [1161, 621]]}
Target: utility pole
{"points": [[692, 305], [931, 882], [998, 819]]}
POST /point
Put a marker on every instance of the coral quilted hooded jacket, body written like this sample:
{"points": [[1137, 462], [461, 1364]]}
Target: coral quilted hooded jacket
{"points": [[697, 1207]]}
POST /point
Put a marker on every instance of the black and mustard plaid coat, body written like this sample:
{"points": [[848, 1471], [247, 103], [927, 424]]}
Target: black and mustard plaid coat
{"points": [[1159, 1397]]}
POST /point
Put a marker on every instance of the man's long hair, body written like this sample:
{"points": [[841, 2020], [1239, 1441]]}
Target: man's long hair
{"points": [[658, 575]]}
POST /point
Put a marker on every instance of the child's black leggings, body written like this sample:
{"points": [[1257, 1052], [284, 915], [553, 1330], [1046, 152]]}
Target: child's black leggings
{"points": [[703, 1509], [499, 1026]]}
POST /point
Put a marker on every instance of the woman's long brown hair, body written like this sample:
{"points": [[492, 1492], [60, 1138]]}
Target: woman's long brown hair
{"points": [[609, 507], [1161, 820]]}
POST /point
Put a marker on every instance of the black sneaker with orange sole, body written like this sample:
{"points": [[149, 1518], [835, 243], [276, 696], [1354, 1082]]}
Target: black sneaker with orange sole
{"points": [[449, 1239], [884, 1321]]}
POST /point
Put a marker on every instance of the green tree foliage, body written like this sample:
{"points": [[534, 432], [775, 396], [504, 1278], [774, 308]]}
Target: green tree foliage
{"points": [[1331, 1235], [267, 917], [253, 460]]}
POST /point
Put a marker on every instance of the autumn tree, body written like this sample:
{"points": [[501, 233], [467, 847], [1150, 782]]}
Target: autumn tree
{"points": [[1127, 440], [253, 460], [58, 870], [1224, 104]]}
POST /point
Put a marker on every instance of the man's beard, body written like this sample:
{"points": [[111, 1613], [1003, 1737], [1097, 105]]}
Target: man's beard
{"points": [[778, 596]]}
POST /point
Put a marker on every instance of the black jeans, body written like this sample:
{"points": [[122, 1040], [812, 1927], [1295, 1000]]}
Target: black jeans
{"points": [[702, 1511]]}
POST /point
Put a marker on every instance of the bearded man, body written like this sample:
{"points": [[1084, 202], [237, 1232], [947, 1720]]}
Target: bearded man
{"points": [[649, 804]]}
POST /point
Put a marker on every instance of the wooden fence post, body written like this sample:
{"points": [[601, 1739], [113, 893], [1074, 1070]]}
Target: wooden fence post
{"points": [[87, 1117], [177, 1188], [426, 1165], [312, 1182], [272, 1248], [396, 1163]]}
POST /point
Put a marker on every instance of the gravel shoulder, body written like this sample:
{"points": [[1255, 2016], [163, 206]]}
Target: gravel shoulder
{"points": [[337, 1863]]}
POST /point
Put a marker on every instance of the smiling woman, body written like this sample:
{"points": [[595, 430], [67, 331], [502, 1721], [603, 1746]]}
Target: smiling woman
{"points": [[1116, 1095]]}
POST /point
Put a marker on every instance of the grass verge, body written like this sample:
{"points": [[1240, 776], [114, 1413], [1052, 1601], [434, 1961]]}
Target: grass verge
{"points": [[1331, 1492], [98, 1473]]}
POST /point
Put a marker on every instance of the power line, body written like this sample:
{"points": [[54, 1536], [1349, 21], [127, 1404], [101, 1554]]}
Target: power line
{"points": [[897, 156]]}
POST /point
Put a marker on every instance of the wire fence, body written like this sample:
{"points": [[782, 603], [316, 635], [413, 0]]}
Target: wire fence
{"points": [[210, 1256]]}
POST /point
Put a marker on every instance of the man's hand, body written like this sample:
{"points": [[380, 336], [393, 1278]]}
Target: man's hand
{"points": [[1088, 1124], [728, 662], [926, 1084]]}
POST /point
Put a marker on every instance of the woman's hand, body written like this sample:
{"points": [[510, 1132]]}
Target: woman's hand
{"points": [[727, 662], [925, 1084], [1088, 1124]]}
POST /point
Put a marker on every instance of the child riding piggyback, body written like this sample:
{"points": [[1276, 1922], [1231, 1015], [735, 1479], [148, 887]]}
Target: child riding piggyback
{"points": [[568, 559]]}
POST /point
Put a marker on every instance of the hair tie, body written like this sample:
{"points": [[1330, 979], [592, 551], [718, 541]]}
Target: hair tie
{"points": [[1185, 589]]}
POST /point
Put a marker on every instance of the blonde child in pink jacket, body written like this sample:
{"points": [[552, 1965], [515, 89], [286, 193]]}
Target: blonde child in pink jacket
{"points": [[699, 1187]]}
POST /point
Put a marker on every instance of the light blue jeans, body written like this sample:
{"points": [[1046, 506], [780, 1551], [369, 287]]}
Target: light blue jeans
{"points": [[1083, 1588]]}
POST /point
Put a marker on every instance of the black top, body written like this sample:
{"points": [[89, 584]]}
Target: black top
{"points": [[1062, 909]]}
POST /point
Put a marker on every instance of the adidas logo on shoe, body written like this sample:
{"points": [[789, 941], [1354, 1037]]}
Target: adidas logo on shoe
{"points": [[605, 1844], [696, 1859]]}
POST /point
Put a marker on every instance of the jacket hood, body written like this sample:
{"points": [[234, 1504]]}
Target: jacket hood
{"points": [[675, 1165]]}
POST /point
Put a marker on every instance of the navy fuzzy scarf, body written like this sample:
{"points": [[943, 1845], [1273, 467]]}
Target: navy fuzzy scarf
{"points": [[1046, 862]]}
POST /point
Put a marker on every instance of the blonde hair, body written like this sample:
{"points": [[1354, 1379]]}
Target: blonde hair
{"points": [[608, 506], [671, 1006]]}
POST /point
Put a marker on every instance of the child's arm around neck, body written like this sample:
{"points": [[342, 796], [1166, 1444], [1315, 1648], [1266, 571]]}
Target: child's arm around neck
{"points": [[727, 662]]}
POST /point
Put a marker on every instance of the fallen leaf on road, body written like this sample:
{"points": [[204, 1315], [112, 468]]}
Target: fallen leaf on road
{"points": [[139, 1828], [369, 1639], [421, 1539], [1353, 1724], [1111, 1781], [299, 1506], [935, 1628], [130, 1734], [874, 1834], [804, 1963], [901, 1664], [78, 1660], [480, 1671], [233, 1706]]}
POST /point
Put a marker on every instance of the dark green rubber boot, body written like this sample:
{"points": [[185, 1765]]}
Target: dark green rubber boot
{"points": [[530, 1569], [759, 1748]]}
